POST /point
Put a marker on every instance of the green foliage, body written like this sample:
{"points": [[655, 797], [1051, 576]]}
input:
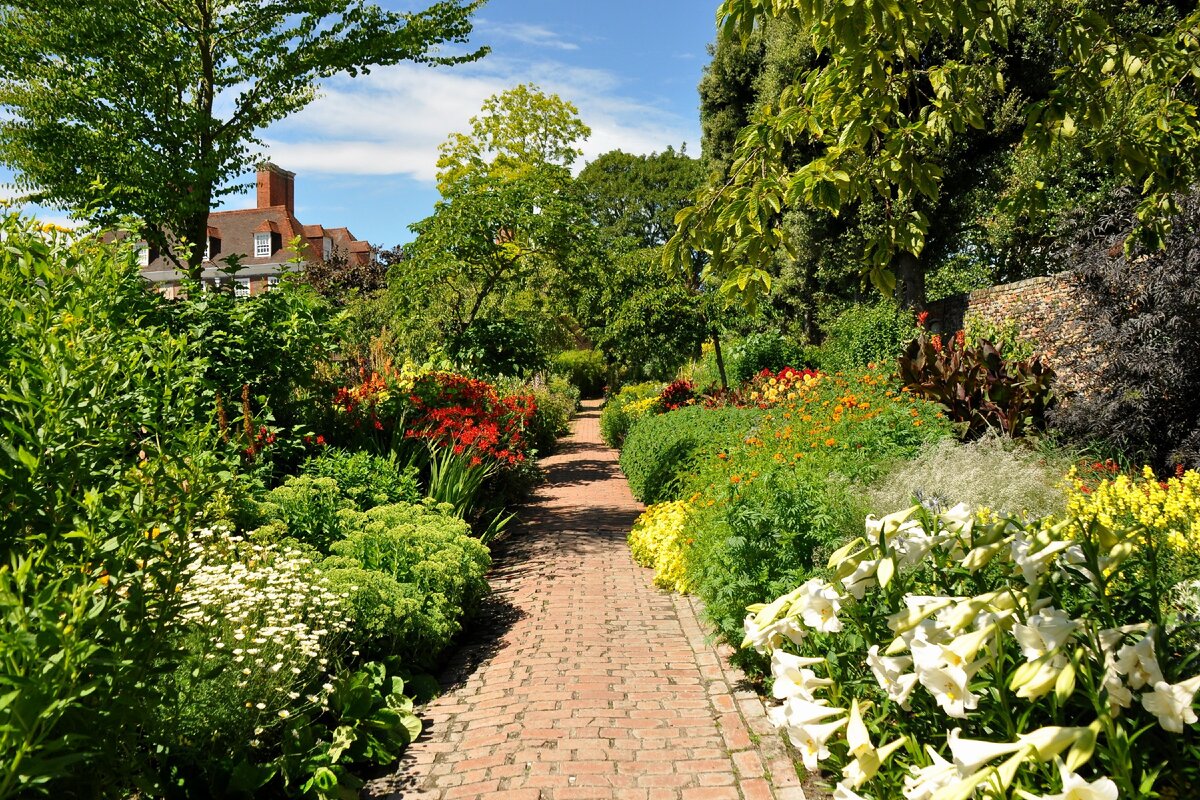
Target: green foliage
{"points": [[993, 472], [922, 116], [133, 142], [104, 464], [661, 450], [434, 561], [309, 508], [766, 536], [634, 199], [980, 389], [520, 129], [585, 369], [866, 334], [364, 478], [1005, 336], [770, 351], [616, 417], [499, 346]]}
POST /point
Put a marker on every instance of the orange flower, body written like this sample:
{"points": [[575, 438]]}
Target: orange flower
{"points": [[735, 479], [830, 442]]}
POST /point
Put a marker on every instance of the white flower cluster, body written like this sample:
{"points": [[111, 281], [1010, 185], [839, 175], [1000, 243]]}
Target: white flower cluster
{"points": [[942, 642], [264, 610]]}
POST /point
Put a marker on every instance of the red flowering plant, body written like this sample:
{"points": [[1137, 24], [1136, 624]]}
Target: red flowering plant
{"points": [[470, 416], [677, 395], [373, 411]]}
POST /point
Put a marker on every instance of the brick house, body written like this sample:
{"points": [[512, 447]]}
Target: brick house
{"points": [[260, 236]]}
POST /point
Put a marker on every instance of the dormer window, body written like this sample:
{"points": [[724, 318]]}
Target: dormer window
{"points": [[143, 254], [262, 245], [327, 248]]}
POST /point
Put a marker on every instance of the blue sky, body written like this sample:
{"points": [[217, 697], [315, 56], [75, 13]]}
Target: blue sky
{"points": [[364, 152]]}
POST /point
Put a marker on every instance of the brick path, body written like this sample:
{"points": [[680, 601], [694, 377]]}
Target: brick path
{"points": [[584, 681]]}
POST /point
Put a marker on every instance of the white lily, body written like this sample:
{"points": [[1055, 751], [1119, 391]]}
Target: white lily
{"points": [[1119, 695], [811, 740], [887, 669], [793, 678], [1033, 563], [843, 792], [924, 782], [1077, 788], [818, 605], [767, 637], [971, 754], [1044, 632], [1139, 663], [861, 579], [948, 685], [798, 711], [866, 764], [1172, 703]]}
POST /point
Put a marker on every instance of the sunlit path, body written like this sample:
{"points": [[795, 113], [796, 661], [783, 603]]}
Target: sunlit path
{"points": [[586, 681]]}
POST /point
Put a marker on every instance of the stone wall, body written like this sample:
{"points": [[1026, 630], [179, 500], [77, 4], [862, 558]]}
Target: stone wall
{"points": [[1048, 310]]}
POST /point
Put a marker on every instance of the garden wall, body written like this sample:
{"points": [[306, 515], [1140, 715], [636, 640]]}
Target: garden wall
{"points": [[1049, 310]]}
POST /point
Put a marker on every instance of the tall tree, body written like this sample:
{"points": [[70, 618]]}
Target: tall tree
{"points": [[637, 197], [902, 94], [509, 228], [153, 109]]}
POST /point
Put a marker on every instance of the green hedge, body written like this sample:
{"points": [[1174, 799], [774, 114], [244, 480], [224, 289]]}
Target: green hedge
{"points": [[585, 369], [662, 448]]}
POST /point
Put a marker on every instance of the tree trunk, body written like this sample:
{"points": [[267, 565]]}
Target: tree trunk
{"points": [[716, 340], [910, 282]]}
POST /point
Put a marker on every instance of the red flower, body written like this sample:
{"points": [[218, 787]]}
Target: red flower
{"points": [[320, 441]]}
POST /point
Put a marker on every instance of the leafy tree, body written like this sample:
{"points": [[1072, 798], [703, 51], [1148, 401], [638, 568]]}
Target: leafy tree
{"points": [[635, 198], [125, 108], [509, 230], [906, 100], [520, 129]]}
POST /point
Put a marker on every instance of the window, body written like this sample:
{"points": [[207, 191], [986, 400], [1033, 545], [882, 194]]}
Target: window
{"points": [[326, 248], [241, 287], [144, 254], [272, 282], [262, 245]]}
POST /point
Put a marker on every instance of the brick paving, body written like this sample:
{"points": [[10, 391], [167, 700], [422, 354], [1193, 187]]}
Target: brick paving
{"points": [[583, 680]]}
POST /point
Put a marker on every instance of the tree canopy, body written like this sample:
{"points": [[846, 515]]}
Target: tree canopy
{"points": [[119, 108], [900, 94]]}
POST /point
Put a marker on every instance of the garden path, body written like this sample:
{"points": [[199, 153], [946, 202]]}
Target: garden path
{"points": [[582, 679]]}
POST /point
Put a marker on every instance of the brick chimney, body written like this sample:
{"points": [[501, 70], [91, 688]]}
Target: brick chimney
{"points": [[276, 187]]}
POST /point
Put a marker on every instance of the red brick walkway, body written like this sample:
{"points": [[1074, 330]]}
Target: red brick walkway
{"points": [[584, 680]]}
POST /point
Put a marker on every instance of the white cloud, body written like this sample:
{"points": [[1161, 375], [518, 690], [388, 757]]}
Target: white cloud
{"points": [[391, 121], [536, 35]]}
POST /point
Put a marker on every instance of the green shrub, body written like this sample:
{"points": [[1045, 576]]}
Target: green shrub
{"points": [[866, 334], [994, 472], [431, 560], [364, 478], [661, 449], [585, 369], [504, 346], [105, 457], [764, 535], [309, 508], [556, 400], [617, 414], [771, 351]]}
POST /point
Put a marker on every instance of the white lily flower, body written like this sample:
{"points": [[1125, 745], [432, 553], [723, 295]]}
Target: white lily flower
{"points": [[1045, 632], [887, 669], [1139, 664], [843, 792], [799, 711], [1033, 563], [948, 685], [924, 782], [1077, 788], [1172, 703], [857, 736], [766, 638], [971, 754], [793, 678], [810, 741], [863, 577], [958, 519], [818, 605]]}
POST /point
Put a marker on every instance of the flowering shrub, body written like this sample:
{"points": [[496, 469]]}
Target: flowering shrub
{"points": [[469, 415], [624, 408], [1001, 659], [677, 395], [658, 539], [788, 385]]}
